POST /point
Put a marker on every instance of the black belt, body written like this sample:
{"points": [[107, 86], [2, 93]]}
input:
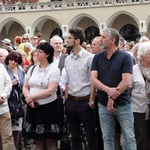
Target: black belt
{"points": [[75, 98]]}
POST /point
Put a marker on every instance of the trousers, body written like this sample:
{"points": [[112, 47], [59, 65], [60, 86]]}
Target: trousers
{"points": [[6, 132], [125, 118], [78, 112]]}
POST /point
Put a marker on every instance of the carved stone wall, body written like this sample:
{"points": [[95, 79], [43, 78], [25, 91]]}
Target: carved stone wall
{"points": [[19, 1]]}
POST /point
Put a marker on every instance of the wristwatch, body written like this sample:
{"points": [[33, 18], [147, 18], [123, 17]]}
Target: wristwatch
{"points": [[91, 102], [110, 97]]}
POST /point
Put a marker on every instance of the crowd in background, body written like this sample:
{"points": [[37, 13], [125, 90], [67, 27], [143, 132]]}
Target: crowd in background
{"points": [[63, 101]]}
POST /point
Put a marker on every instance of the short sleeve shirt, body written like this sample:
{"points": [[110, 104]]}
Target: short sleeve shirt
{"points": [[78, 73], [110, 73], [40, 79]]}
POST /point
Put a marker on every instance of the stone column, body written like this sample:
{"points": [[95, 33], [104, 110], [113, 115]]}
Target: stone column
{"points": [[142, 28], [28, 31], [64, 32], [102, 26]]}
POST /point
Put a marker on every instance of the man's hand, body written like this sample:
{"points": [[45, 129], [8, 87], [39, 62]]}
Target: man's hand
{"points": [[110, 105], [2, 100], [113, 93], [91, 104]]}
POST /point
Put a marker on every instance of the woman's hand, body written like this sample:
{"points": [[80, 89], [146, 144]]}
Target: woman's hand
{"points": [[29, 99], [32, 104], [15, 81]]}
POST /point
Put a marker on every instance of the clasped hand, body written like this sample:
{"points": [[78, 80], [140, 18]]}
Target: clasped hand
{"points": [[110, 105], [30, 101], [113, 92]]}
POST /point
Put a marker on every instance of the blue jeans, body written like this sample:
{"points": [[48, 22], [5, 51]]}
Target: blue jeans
{"points": [[77, 113], [125, 118]]}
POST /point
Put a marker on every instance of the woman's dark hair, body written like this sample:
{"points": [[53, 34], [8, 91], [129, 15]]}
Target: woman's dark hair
{"points": [[78, 33], [17, 57], [48, 49]]}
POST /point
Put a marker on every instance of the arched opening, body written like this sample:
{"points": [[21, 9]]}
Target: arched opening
{"points": [[11, 29], [90, 33], [130, 32], [48, 27], [56, 31]]}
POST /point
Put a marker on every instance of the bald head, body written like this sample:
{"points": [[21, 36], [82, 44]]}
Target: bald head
{"points": [[96, 45]]}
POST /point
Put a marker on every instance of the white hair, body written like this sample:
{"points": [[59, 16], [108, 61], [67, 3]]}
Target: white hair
{"points": [[144, 39], [55, 37], [4, 51], [28, 45], [136, 47], [143, 50], [42, 41]]}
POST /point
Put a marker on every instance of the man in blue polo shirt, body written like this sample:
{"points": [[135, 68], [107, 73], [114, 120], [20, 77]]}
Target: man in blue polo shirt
{"points": [[110, 74]]}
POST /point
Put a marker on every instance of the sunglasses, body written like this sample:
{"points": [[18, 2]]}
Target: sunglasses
{"points": [[25, 38], [14, 59]]}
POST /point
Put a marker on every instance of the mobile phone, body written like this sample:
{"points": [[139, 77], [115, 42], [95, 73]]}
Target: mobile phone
{"points": [[36, 104]]}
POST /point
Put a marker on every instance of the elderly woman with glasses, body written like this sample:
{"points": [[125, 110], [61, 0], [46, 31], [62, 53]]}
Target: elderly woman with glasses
{"points": [[40, 92], [140, 95]]}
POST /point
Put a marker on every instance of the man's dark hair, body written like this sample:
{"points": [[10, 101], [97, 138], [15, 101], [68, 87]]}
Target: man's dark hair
{"points": [[39, 35], [78, 33]]}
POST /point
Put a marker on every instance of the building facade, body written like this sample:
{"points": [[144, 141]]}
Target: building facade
{"points": [[130, 17]]}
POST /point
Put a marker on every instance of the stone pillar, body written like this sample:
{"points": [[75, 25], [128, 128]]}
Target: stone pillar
{"points": [[102, 26], [64, 32], [28, 31], [142, 28]]}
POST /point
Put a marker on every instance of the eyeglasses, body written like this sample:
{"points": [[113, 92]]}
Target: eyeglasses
{"points": [[39, 51], [34, 38]]}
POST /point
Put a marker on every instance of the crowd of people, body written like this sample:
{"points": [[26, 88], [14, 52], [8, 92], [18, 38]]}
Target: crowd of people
{"points": [[77, 96]]}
